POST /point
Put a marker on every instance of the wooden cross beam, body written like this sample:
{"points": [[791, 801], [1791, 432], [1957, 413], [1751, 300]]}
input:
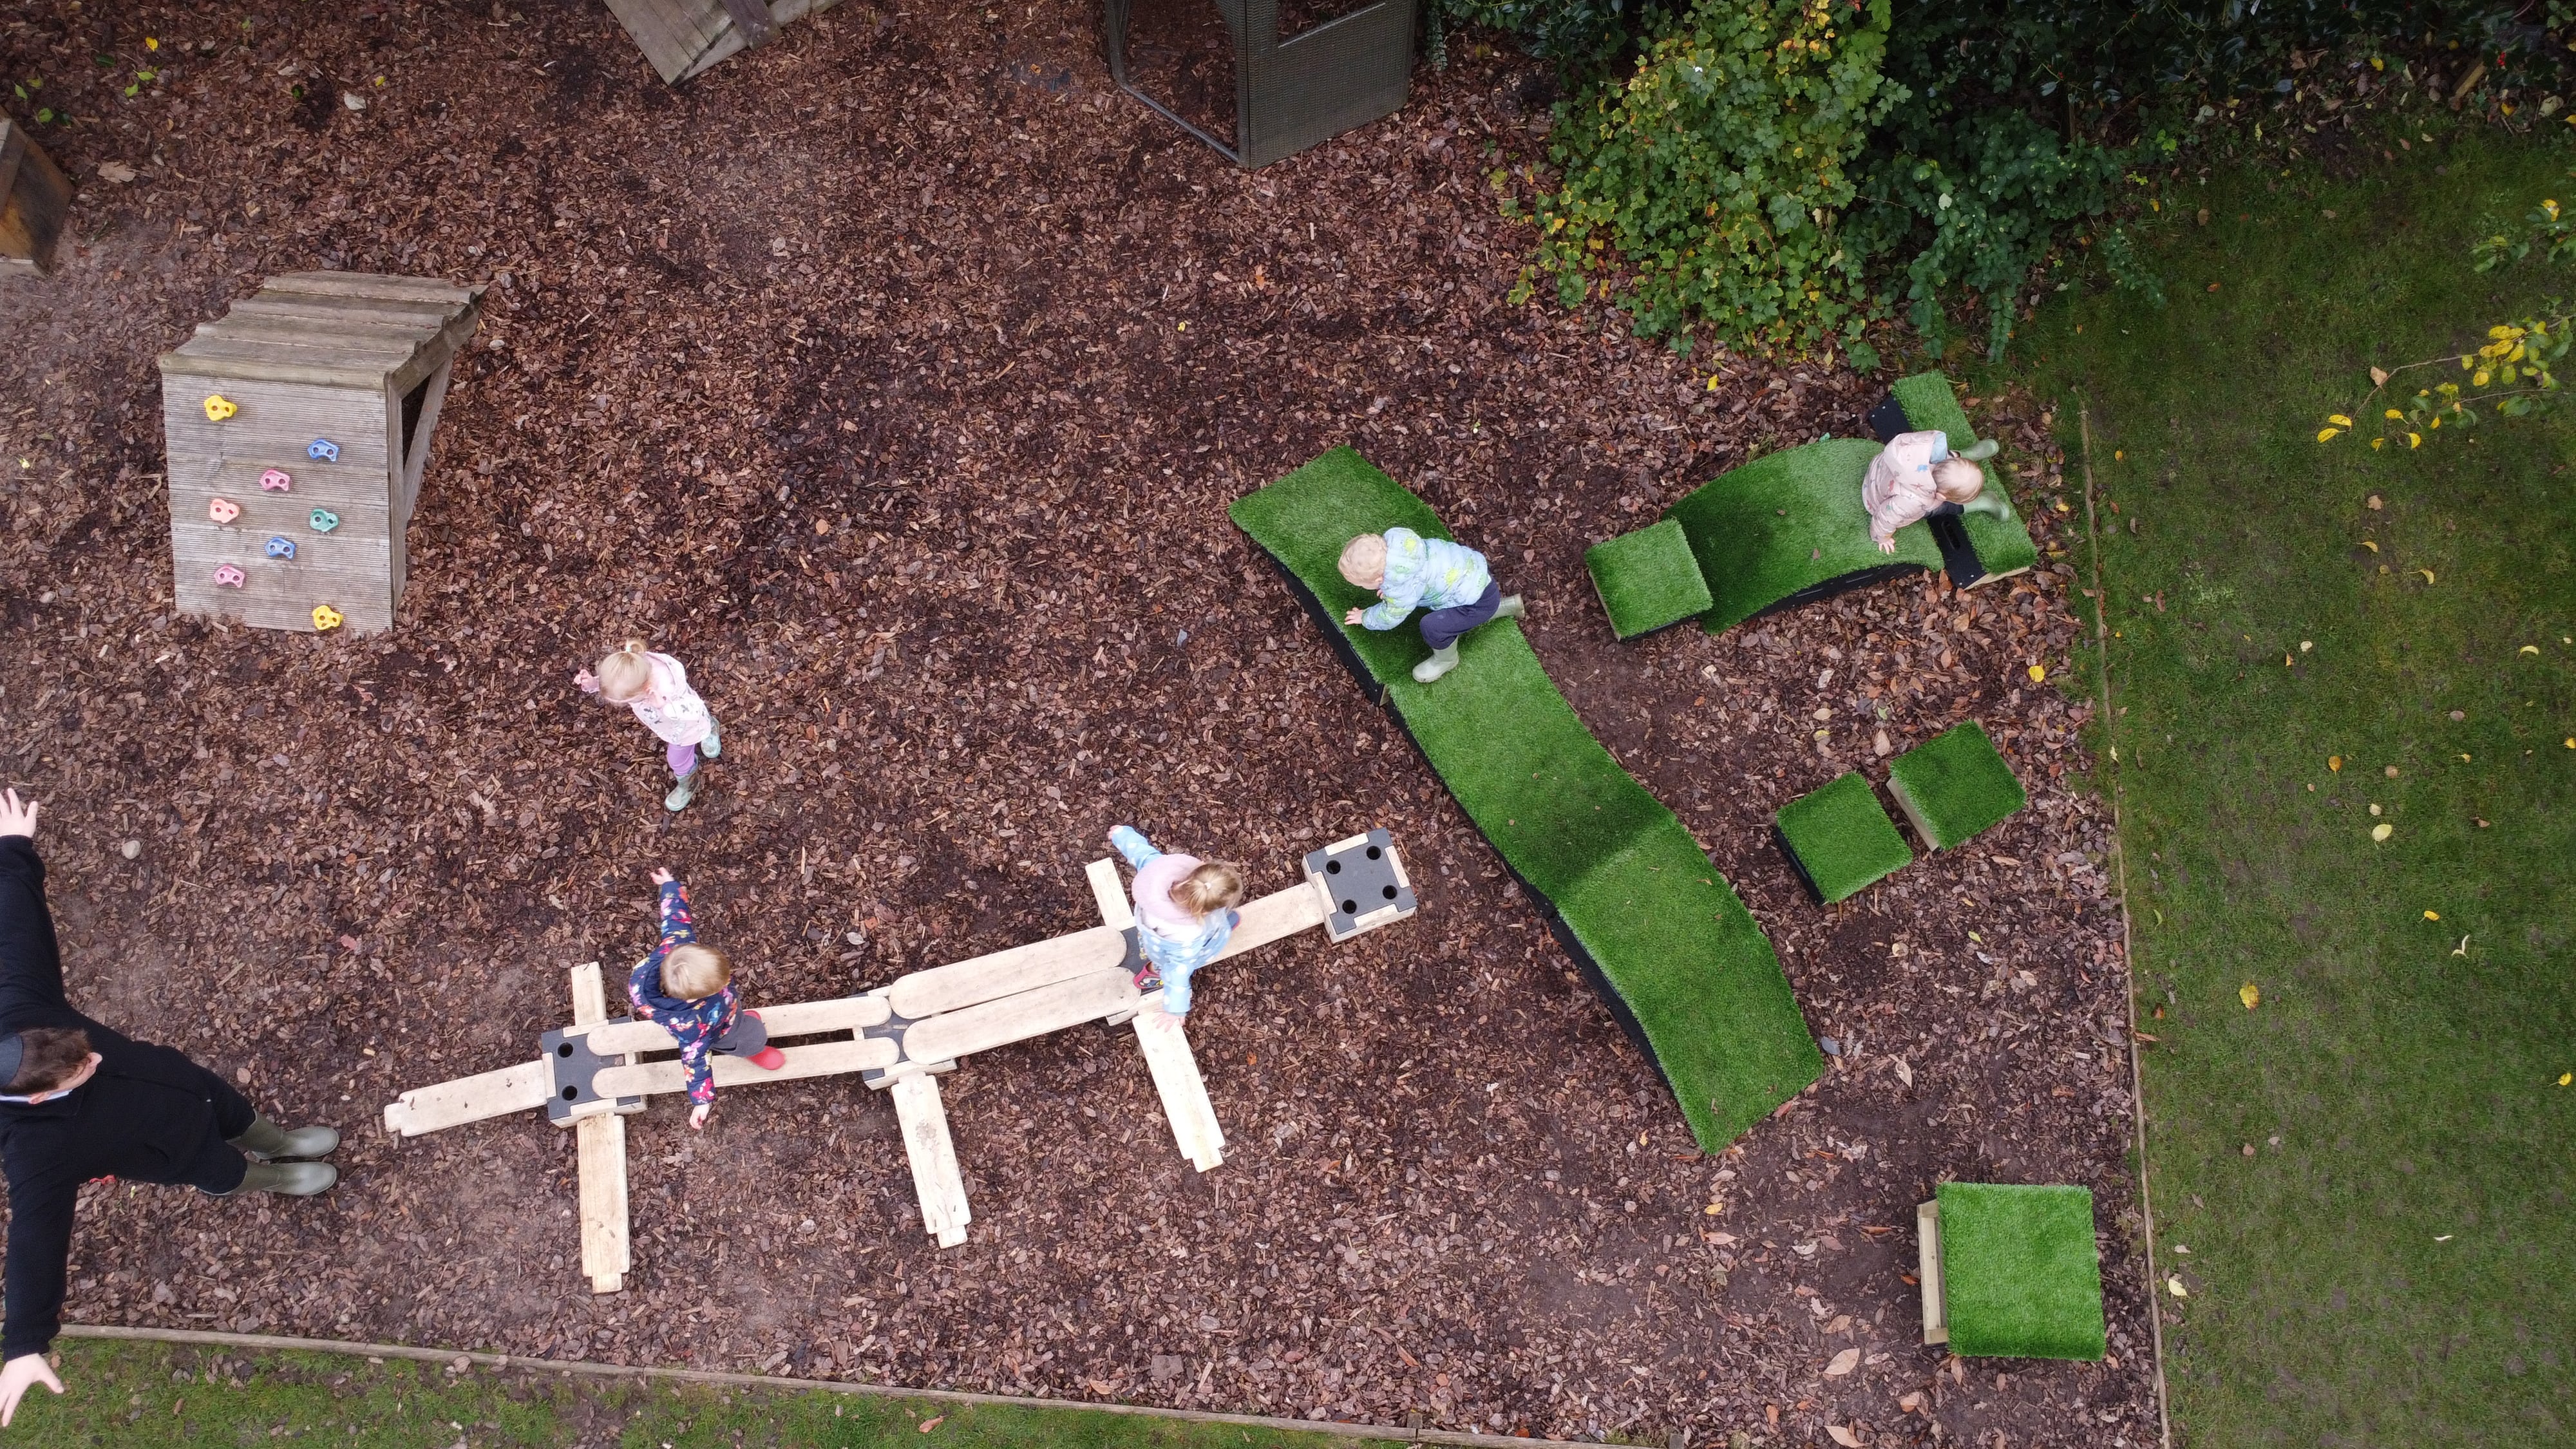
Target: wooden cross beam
{"points": [[902, 1036]]}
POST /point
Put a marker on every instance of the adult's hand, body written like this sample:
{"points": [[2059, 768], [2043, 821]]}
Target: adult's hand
{"points": [[18, 817], [23, 1372]]}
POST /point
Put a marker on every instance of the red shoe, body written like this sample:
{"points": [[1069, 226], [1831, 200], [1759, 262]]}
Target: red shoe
{"points": [[768, 1059]]}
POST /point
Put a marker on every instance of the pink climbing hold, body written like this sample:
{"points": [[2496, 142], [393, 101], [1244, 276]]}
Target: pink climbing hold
{"points": [[275, 480], [228, 575], [223, 510]]}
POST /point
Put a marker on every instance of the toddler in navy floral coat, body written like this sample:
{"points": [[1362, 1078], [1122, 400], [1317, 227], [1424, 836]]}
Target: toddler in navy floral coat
{"points": [[686, 989]]}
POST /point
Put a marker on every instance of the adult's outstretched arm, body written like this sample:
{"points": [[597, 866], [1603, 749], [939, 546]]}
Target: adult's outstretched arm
{"points": [[31, 962], [40, 1246]]}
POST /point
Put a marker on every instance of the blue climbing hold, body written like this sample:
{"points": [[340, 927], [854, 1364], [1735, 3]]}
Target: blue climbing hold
{"points": [[324, 449], [324, 520], [281, 547]]}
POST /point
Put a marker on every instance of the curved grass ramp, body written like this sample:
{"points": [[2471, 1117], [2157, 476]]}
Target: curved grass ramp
{"points": [[1660, 933]]}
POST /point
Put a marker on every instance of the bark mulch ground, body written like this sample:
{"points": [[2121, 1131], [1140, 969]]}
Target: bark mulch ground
{"points": [[896, 378]]}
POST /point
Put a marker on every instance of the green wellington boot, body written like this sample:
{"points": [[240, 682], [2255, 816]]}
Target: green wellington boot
{"points": [[682, 793], [288, 1179], [1990, 504], [1510, 607], [1440, 663], [713, 744], [266, 1141], [1980, 450]]}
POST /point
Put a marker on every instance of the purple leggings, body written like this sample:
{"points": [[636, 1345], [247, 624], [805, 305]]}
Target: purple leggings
{"points": [[683, 759]]}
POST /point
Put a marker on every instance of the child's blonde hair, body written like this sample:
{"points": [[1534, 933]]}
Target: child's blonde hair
{"points": [[691, 972], [1364, 560], [1214, 886], [625, 675], [1958, 480]]}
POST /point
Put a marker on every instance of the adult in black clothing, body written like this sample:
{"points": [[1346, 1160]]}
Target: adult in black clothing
{"points": [[81, 1101]]}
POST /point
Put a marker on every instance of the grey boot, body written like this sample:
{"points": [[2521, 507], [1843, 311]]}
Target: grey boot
{"points": [[1509, 608], [1988, 503], [1980, 450], [289, 1179], [682, 792], [713, 744], [1440, 663], [266, 1141]]}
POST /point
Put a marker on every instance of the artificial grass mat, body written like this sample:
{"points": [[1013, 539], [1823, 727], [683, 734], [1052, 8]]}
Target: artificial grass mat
{"points": [[1779, 527], [1954, 785], [1647, 579], [2020, 1277], [1840, 839], [1624, 879]]}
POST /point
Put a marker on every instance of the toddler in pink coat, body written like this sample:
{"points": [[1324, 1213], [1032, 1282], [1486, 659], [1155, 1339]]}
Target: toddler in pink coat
{"points": [[1916, 476], [656, 687]]}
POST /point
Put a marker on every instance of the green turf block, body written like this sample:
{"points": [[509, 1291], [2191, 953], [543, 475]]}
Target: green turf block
{"points": [[1682, 958], [1647, 579], [2020, 1277], [1789, 525], [1840, 839], [1930, 402], [1954, 785]]}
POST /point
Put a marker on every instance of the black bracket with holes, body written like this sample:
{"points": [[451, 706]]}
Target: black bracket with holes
{"points": [[1364, 885], [574, 1066]]}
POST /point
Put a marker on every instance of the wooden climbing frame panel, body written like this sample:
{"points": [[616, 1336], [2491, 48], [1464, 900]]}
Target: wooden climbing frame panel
{"points": [[899, 1039]]}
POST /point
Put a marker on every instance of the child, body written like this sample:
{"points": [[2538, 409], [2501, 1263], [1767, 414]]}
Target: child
{"points": [[657, 689], [1408, 570], [685, 989], [1184, 914], [1916, 476]]}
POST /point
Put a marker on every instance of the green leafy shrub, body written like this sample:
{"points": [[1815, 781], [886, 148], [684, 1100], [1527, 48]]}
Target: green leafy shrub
{"points": [[1716, 176]]}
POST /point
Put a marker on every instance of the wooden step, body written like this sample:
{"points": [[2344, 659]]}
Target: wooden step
{"points": [[1005, 973], [819, 1059], [1177, 1081], [795, 1018], [935, 1178], [982, 1027], [522, 1088]]}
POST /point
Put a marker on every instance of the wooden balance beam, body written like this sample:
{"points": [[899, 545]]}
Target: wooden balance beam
{"points": [[592, 1074]]}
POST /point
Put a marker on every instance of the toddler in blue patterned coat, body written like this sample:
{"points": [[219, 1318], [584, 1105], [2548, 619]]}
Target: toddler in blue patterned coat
{"points": [[1410, 571], [1185, 914], [687, 990]]}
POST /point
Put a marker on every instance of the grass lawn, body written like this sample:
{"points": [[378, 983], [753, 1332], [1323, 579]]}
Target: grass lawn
{"points": [[1686, 959], [2371, 1167], [146, 1394]]}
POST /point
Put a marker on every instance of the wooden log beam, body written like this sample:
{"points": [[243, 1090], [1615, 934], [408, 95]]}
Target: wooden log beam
{"points": [[796, 1018], [1052, 1008], [600, 1157], [1004, 973], [522, 1088], [935, 1178], [1177, 1082], [818, 1059]]}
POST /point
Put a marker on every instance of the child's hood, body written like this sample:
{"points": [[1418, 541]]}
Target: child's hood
{"points": [[1154, 893]]}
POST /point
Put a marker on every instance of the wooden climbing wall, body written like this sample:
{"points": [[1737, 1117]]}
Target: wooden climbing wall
{"points": [[684, 37], [297, 430]]}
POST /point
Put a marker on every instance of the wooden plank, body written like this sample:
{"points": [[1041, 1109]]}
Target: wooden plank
{"points": [[668, 34], [599, 1147], [589, 995], [795, 1018], [382, 285], [1927, 1267], [1003, 973], [990, 1024], [35, 201], [935, 1178], [225, 357], [429, 319], [1115, 911], [751, 17], [819, 1059], [1274, 917], [1177, 1081], [522, 1088], [197, 595], [276, 420], [336, 334], [335, 486]]}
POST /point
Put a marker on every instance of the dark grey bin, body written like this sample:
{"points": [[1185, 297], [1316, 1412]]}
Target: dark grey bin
{"points": [[1295, 93]]}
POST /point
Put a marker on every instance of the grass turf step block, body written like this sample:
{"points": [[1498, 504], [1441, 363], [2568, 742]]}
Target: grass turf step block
{"points": [[2020, 1276], [1785, 528], [1641, 906], [1930, 402], [1840, 839], [1647, 579], [1954, 785]]}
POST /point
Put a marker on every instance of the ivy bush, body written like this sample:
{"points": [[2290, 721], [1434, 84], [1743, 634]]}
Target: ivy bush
{"points": [[1712, 182]]}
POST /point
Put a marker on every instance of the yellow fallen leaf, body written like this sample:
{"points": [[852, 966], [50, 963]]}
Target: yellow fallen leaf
{"points": [[2287, 661], [2250, 994], [2530, 648], [2173, 1285], [2379, 377], [2463, 757], [2427, 573], [2565, 1077], [2432, 915], [1843, 1436], [2366, 543], [2382, 831], [2307, 644], [2327, 434], [2037, 674], [1844, 1362], [2334, 762], [2339, 420], [932, 1422]]}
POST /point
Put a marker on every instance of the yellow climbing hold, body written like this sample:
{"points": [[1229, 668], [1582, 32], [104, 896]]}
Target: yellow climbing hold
{"points": [[325, 617], [219, 407]]}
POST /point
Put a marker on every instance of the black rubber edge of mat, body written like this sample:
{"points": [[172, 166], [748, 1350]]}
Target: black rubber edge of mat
{"points": [[1780, 838]]}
